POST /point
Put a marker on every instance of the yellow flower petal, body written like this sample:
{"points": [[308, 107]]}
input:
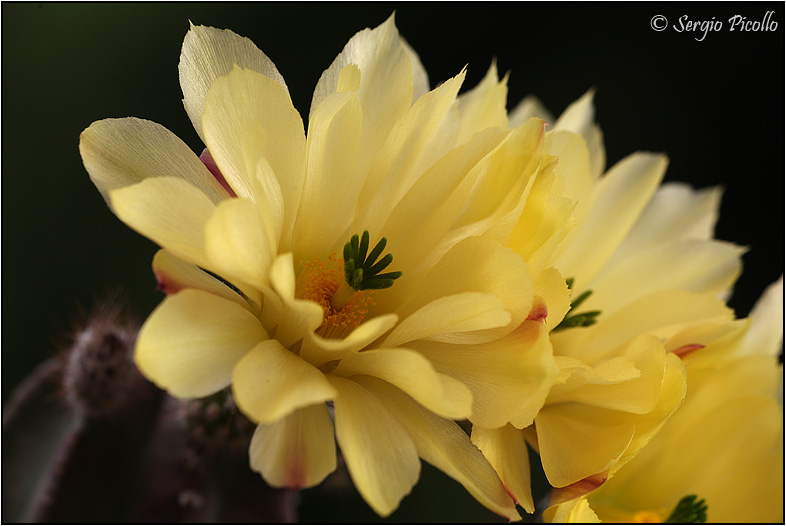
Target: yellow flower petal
{"points": [[294, 317], [270, 382], [318, 350], [240, 245], [297, 451], [506, 450], [249, 117], [174, 275], [765, 335], [413, 374], [443, 444], [528, 108], [169, 211], [451, 318], [122, 152], [509, 378], [191, 342], [331, 185], [578, 440], [693, 265], [483, 266], [380, 455], [617, 201], [578, 118], [483, 106], [209, 53]]}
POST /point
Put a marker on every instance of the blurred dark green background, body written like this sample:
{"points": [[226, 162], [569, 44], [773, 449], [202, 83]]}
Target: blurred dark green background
{"points": [[715, 106]]}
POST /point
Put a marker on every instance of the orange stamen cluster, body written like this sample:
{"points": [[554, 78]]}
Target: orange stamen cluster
{"points": [[321, 279]]}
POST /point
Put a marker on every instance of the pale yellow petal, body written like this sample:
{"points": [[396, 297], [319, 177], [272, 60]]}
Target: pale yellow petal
{"points": [[239, 244], [552, 290], [529, 107], [295, 317], [509, 378], [192, 340], [416, 142], [332, 184], [765, 335], [169, 211], [249, 117], [412, 373], [378, 450], [318, 350], [579, 116], [270, 382], [661, 313], [174, 274], [483, 106], [617, 201], [506, 450], [676, 211], [574, 512], [209, 53], [420, 82], [442, 443], [122, 152], [484, 267], [577, 440], [704, 267], [297, 451], [450, 318], [574, 169]]}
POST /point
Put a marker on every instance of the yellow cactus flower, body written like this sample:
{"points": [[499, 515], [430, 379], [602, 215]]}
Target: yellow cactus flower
{"points": [[276, 244], [641, 263], [722, 450]]}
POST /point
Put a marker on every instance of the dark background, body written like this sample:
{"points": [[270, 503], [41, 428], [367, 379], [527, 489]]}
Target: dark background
{"points": [[715, 106]]}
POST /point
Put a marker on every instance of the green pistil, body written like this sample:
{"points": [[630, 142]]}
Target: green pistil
{"points": [[362, 270], [688, 511], [583, 319], [363, 273]]}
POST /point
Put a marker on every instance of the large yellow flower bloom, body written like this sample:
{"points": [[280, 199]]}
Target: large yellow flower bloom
{"points": [[643, 264], [270, 211], [724, 445]]}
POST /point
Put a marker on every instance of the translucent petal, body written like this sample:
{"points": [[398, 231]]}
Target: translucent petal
{"points": [[270, 382], [192, 340], [249, 117], [209, 53], [378, 450], [122, 152], [297, 451]]}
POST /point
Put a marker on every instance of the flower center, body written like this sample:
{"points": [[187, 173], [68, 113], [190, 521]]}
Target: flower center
{"points": [[321, 280], [343, 287]]}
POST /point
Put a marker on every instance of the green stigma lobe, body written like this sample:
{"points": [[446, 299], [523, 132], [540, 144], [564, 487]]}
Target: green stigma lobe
{"points": [[362, 272]]}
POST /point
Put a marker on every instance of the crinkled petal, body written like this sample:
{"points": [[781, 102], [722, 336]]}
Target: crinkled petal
{"points": [[191, 342], [123, 152], [412, 373], [442, 443], [297, 451], [509, 378], [249, 117], [506, 450], [270, 382], [378, 450], [169, 211], [449, 318], [209, 53]]}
